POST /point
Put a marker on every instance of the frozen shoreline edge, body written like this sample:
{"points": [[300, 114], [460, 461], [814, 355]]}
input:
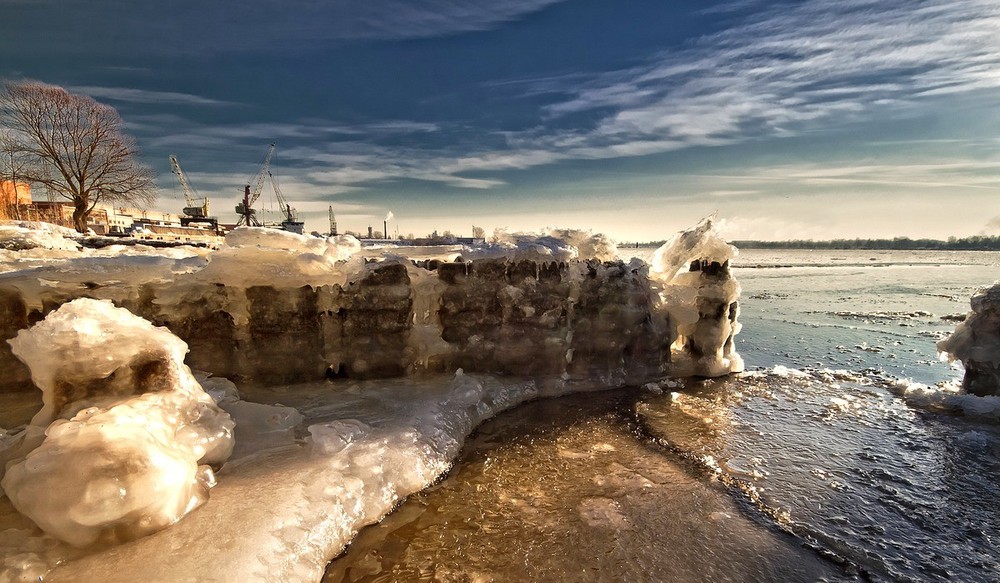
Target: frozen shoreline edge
{"points": [[220, 542]]}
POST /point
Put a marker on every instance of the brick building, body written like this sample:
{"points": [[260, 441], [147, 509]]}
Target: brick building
{"points": [[15, 197]]}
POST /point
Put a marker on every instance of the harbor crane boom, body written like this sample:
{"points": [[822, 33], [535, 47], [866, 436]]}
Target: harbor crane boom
{"points": [[193, 212], [291, 223], [248, 216], [286, 209]]}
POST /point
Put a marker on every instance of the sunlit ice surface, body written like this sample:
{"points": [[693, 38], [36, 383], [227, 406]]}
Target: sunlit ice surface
{"points": [[282, 508], [568, 490]]}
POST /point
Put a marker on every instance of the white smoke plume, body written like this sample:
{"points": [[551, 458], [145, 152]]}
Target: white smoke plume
{"points": [[992, 227]]}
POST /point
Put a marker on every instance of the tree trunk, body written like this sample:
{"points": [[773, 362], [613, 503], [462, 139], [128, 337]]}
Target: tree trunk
{"points": [[80, 214]]}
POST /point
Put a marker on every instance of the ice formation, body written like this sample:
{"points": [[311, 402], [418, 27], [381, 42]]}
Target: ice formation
{"points": [[559, 245], [701, 302], [274, 307], [129, 426], [24, 235], [948, 397], [271, 257], [282, 516], [129, 432], [976, 342]]}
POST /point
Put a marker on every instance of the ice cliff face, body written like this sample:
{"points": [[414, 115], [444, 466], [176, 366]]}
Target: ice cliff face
{"points": [[976, 342], [272, 307]]}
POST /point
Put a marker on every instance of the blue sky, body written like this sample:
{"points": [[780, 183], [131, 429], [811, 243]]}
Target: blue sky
{"points": [[799, 119]]}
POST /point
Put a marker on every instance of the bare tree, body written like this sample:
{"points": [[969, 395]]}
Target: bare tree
{"points": [[77, 148], [478, 232], [13, 167]]}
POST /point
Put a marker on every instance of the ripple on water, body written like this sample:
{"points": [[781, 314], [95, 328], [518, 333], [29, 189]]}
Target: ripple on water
{"points": [[893, 489]]}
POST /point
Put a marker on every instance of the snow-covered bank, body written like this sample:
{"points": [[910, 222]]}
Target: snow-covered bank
{"points": [[281, 516], [25, 235], [273, 307], [121, 447], [280, 513]]}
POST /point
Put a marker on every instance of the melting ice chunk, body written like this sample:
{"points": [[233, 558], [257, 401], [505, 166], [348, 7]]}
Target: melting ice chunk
{"points": [[701, 303], [976, 342], [130, 430]]}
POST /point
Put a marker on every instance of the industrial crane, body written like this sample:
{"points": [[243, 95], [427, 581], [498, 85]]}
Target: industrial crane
{"points": [[193, 212], [248, 216], [292, 224]]}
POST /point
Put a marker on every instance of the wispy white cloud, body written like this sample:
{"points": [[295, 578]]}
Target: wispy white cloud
{"points": [[791, 69], [257, 25], [172, 131], [499, 161], [354, 175], [730, 193], [774, 228], [817, 63], [423, 18], [992, 227], [933, 176], [398, 127], [132, 95], [375, 168], [459, 181]]}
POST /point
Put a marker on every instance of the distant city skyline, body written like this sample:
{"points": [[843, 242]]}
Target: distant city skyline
{"points": [[794, 119]]}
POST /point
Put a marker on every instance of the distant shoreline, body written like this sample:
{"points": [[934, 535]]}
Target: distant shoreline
{"points": [[976, 243]]}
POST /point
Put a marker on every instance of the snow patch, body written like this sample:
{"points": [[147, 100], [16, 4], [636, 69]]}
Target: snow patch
{"points": [[261, 256], [948, 397], [559, 245], [24, 235]]}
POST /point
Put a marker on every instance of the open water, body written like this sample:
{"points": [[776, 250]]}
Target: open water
{"points": [[829, 460]]}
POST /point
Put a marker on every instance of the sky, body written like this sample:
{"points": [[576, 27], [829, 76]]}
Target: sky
{"points": [[794, 119]]}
